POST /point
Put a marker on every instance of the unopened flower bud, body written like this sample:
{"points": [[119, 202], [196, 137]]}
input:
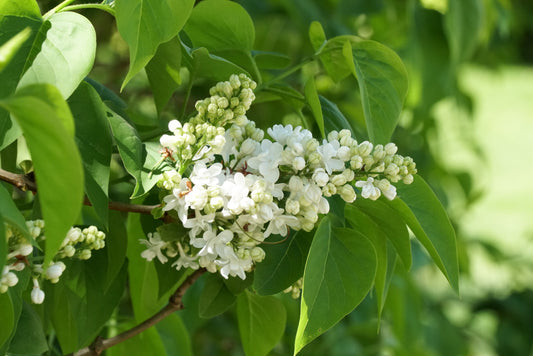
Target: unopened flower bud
{"points": [[347, 193]]}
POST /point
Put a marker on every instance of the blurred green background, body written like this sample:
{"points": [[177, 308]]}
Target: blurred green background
{"points": [[466, 122]]}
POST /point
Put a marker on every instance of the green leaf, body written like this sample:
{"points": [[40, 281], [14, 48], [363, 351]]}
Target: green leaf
{"points": [[17, 301], [271, 60], [29, 339], [93, 137], [66, 55], [216, 298], [174, 335], [11, 215], [391, 223], [261, 323], [317, 35], [3, 240], [143, 280], [339, 272], [11, 23], [283, 265], [236, 285], [139, 159], [145, 24], [226, 30], [212, 67], [58, 168], [427, 219], [314, 103], [463, 23], [116, 246], [163, 72], [149, 342], [220, 25], [370, 229], [8, 317], [333, 117], [11, 47], [382, 79]]}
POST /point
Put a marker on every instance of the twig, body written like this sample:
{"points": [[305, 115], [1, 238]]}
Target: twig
{"points": [[25, 183], [174, 304]]}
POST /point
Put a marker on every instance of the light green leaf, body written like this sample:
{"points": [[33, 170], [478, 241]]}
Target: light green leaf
{"points": [[145, 24], [11, 47], [261, 323], [3, 238], [8, 318], [22, 8], [93, 136], [317, 35], [29, 339], [463, 23], [427, 219], [174, 335], [314, 103], [339, 272], [66, 55], [215, 298], [283, 265], [58, 168], [212, 67], [163, 72]]}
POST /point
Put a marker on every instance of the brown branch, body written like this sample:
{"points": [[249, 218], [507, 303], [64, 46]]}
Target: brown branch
{"points": [[174, 304], [24, 183]]}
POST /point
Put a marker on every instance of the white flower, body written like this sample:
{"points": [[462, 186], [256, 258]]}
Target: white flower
{"points": [[55, 271], [328, 153], [154, 249], [280, 133], [320, 177], [173, 125], [197, 197], [369, 191], [37, 295], [199, 223], [213, 244], [185, 260], [388, 190], [237, 189], [201, 175], [232, 265], [279, 223], [268, 160]]}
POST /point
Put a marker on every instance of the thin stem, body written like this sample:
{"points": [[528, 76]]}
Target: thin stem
{"points": [[187, 95], [24, 183], [58, 8], [174, 304], [103, 7]]}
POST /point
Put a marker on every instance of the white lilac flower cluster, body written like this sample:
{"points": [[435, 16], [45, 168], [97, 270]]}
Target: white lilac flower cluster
{"points": [[77, 244], [232, 188]]}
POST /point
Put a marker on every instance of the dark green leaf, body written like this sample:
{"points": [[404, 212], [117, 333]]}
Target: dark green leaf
{"points": [[174, 336], [463, 23], [271, 60], [29, 339], [236, 285], [58, 168], [314, 103], [283, 265], [146, 343], [144, 286], [163, 72], [116, 245], [11, 47], [215, 298], [333, 117], [145, 24], [66, 55], [392, 224], [317, 35], [339, 272], [3, 238], [17, 301], [427, 219], [220, 25], [211, 66], [95, 144], [261, 323], [8, 318]]}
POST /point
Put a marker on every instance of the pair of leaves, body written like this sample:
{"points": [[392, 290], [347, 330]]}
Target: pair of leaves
{"points": [[379, 71]]}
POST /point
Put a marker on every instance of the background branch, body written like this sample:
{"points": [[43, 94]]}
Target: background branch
{"points": [[25, 183], [174, 304]]}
